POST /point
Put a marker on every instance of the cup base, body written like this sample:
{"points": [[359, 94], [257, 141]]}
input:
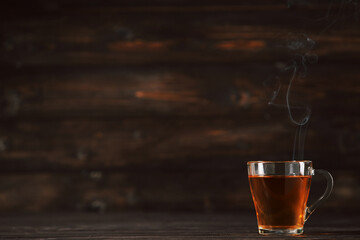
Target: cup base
{"points": [[279, 231]]}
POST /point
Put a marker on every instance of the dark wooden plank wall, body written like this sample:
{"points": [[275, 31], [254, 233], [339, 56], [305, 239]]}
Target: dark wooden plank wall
{"points": [[157, 105]]}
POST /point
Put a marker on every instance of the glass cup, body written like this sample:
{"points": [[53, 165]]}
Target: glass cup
{"points": [[280, 191]]}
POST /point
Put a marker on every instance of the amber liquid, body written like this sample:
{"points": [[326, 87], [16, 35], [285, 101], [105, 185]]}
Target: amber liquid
{"points": [[280, 201]]}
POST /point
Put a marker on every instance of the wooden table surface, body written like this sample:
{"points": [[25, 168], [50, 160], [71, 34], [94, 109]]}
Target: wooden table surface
{"points": [[164, 226]]}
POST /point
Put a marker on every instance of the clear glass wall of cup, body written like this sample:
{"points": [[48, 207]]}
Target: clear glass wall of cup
{"points": [[280, 191]]}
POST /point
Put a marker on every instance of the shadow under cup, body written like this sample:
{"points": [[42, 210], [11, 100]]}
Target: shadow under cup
{"points": [[280, 192]]}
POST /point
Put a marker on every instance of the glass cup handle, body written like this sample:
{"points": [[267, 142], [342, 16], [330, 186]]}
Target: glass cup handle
{"points": [[329, 188]]}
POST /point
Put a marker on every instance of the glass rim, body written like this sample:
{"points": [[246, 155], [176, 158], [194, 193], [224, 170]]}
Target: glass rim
{"points": [[277, 161]]}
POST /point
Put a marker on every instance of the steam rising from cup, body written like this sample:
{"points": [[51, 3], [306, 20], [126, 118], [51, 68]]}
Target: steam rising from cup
{"points": [[301, 46]]}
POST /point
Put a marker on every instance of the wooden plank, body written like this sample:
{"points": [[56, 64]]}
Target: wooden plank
{"points": [[180, 91], [176, 226], [43, 8], [135, 143], [102, 191], [136, 91], [174, 144], [74, 35]]}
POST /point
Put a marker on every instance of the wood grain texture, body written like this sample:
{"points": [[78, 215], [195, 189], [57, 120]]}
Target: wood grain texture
{"points": [[218, 90], [165, 226], [67, 34], [166, 143], [153, 190], [133, 142], [118, 105]]}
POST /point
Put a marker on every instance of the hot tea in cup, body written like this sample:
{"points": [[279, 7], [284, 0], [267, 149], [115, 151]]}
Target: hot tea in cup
{"points": [[280, 192]]}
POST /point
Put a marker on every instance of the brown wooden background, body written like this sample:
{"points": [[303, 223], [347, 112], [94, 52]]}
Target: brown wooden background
{"points": [[158, 105]]}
